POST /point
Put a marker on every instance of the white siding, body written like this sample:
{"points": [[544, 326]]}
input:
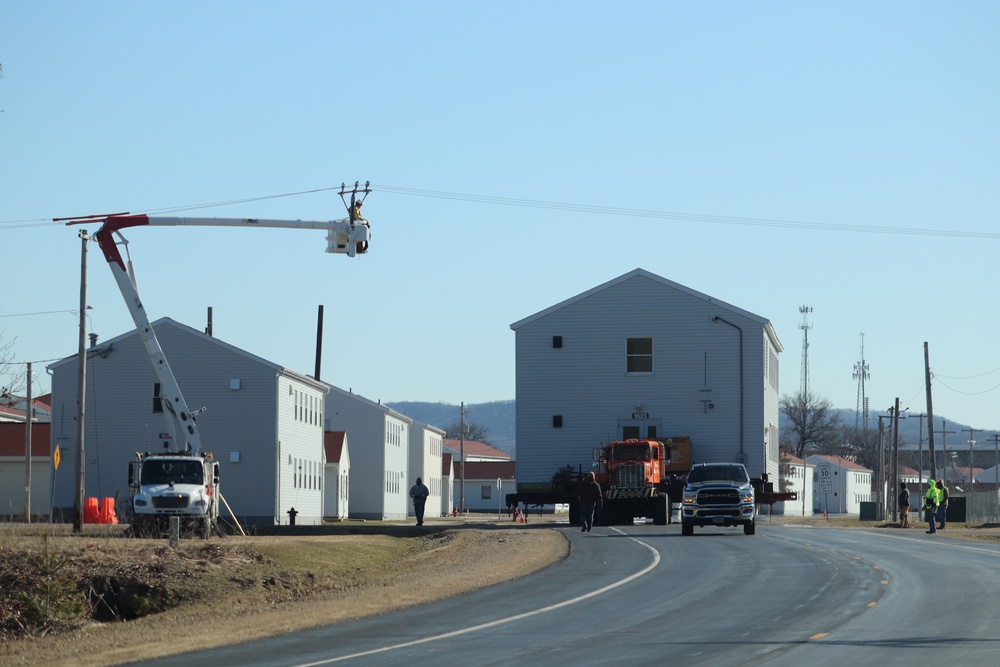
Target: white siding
{"points": [[237, 423], [300, 452], [694, 390], [379, 441], [425, 462]]}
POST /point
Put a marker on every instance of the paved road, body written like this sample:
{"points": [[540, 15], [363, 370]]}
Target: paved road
{"points": [[644, 595]]}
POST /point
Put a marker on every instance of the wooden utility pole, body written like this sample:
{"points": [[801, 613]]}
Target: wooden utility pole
{"points": [[461, 463], [27, 452], [930, 406], [944, 448], [81, 388], [894, 461]]}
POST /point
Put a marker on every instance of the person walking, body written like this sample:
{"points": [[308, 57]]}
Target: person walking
{"points": [[942, 509], [590, 497], [904, 506], [419, 493], [930, 506]]}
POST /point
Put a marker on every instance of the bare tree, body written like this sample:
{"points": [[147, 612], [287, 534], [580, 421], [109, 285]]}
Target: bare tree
{"points": [[473, 431], [10, 382], [814, 423]]}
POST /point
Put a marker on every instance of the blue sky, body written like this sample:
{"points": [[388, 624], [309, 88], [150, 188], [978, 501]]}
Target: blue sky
{"points": [[866, 133]]}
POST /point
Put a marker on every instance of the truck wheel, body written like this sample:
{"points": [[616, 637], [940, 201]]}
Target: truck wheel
{"points": [[661, 510], [687, 528], [750, 528]]}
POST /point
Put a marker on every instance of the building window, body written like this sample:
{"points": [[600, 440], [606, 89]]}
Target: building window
{"points": [[487, 492], [157, 401], [557, 341], [639, 356], [556, 421]]}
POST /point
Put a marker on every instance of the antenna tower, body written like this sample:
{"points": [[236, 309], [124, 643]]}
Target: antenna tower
{"points": [[805, 326], [861, 374]]}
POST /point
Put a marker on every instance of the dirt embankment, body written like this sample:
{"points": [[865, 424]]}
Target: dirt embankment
{"points": [[64, 599]]}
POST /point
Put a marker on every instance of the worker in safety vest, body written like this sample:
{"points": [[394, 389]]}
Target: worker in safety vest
{"points": [[931, 501]]}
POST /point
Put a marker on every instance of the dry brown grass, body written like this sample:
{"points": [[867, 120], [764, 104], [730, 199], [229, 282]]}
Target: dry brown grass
{"points": [[230, 590]]}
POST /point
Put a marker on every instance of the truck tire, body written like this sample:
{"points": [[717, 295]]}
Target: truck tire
{"points": [[750, 528], [661, 509], [687, 528]]}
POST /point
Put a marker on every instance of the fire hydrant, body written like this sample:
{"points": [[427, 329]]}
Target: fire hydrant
{"points": [[291, 516], [454, 511]]}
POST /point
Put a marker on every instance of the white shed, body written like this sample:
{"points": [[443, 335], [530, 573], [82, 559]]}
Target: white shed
{"points": [[641, 356], [337, 486], [261, 421]]}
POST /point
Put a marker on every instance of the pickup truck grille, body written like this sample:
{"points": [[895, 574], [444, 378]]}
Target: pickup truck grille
{"points": [[629, 476], [710, 497], [171, 502]]}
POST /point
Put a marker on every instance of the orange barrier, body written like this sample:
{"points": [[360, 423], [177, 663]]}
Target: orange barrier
{"points": [[91, 511], [108, 514]]}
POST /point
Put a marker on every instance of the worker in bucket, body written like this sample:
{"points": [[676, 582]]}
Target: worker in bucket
{"points": [[590, 497]]}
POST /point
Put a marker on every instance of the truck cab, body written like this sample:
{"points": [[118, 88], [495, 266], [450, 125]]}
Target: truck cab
{"points": [[718, 494], [185, 486]]}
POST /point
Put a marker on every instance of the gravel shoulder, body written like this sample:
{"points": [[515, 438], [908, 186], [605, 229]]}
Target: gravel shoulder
{"points": [[236, 589]]}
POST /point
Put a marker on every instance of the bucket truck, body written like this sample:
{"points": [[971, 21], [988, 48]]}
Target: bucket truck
{"points": [[183, 482]]}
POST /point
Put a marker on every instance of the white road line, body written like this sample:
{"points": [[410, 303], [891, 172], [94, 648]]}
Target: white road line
{"points": [[509, 619]]}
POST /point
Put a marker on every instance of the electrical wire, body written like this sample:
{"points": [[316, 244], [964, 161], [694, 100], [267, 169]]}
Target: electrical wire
{"points": [[568, 206], [966, 393]]}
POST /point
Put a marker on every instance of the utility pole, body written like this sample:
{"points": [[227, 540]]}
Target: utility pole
{"points": [[972, 443], [27, 451], [894, 476], [461, 463], [944, 448], [81, 388], [996, 457], [930, 404], [920, 450]]}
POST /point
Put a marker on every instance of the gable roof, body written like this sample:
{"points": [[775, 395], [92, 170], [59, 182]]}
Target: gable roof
{"points": [[333, 444], [486, 469], [12, 439], [642, 273], [475, 448], [108, 346], [794, 460], [840, 461]]}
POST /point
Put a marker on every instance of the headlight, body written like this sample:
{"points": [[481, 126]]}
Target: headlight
{"points": [[690, 496], [139, 502]]}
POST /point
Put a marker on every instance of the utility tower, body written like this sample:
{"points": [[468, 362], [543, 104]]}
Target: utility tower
{"points": [[805, 326], [861, 374]]}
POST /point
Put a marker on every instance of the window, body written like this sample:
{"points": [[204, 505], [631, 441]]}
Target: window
{"points": [[157, 401], [557, 341], [487, 492], [556, 421], [638, 355]]}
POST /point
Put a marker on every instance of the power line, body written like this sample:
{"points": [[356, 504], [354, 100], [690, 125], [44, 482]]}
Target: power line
{"points": [[579, 208]]}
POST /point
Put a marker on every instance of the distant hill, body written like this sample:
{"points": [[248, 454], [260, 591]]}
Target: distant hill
{"points": [[911, 428], [497, 417]]}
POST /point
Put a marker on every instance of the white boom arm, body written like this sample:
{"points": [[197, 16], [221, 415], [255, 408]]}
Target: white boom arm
{"points": [[345, 236]]}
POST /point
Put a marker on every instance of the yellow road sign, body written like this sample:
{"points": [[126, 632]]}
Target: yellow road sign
{"points": [[56, 458]]}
